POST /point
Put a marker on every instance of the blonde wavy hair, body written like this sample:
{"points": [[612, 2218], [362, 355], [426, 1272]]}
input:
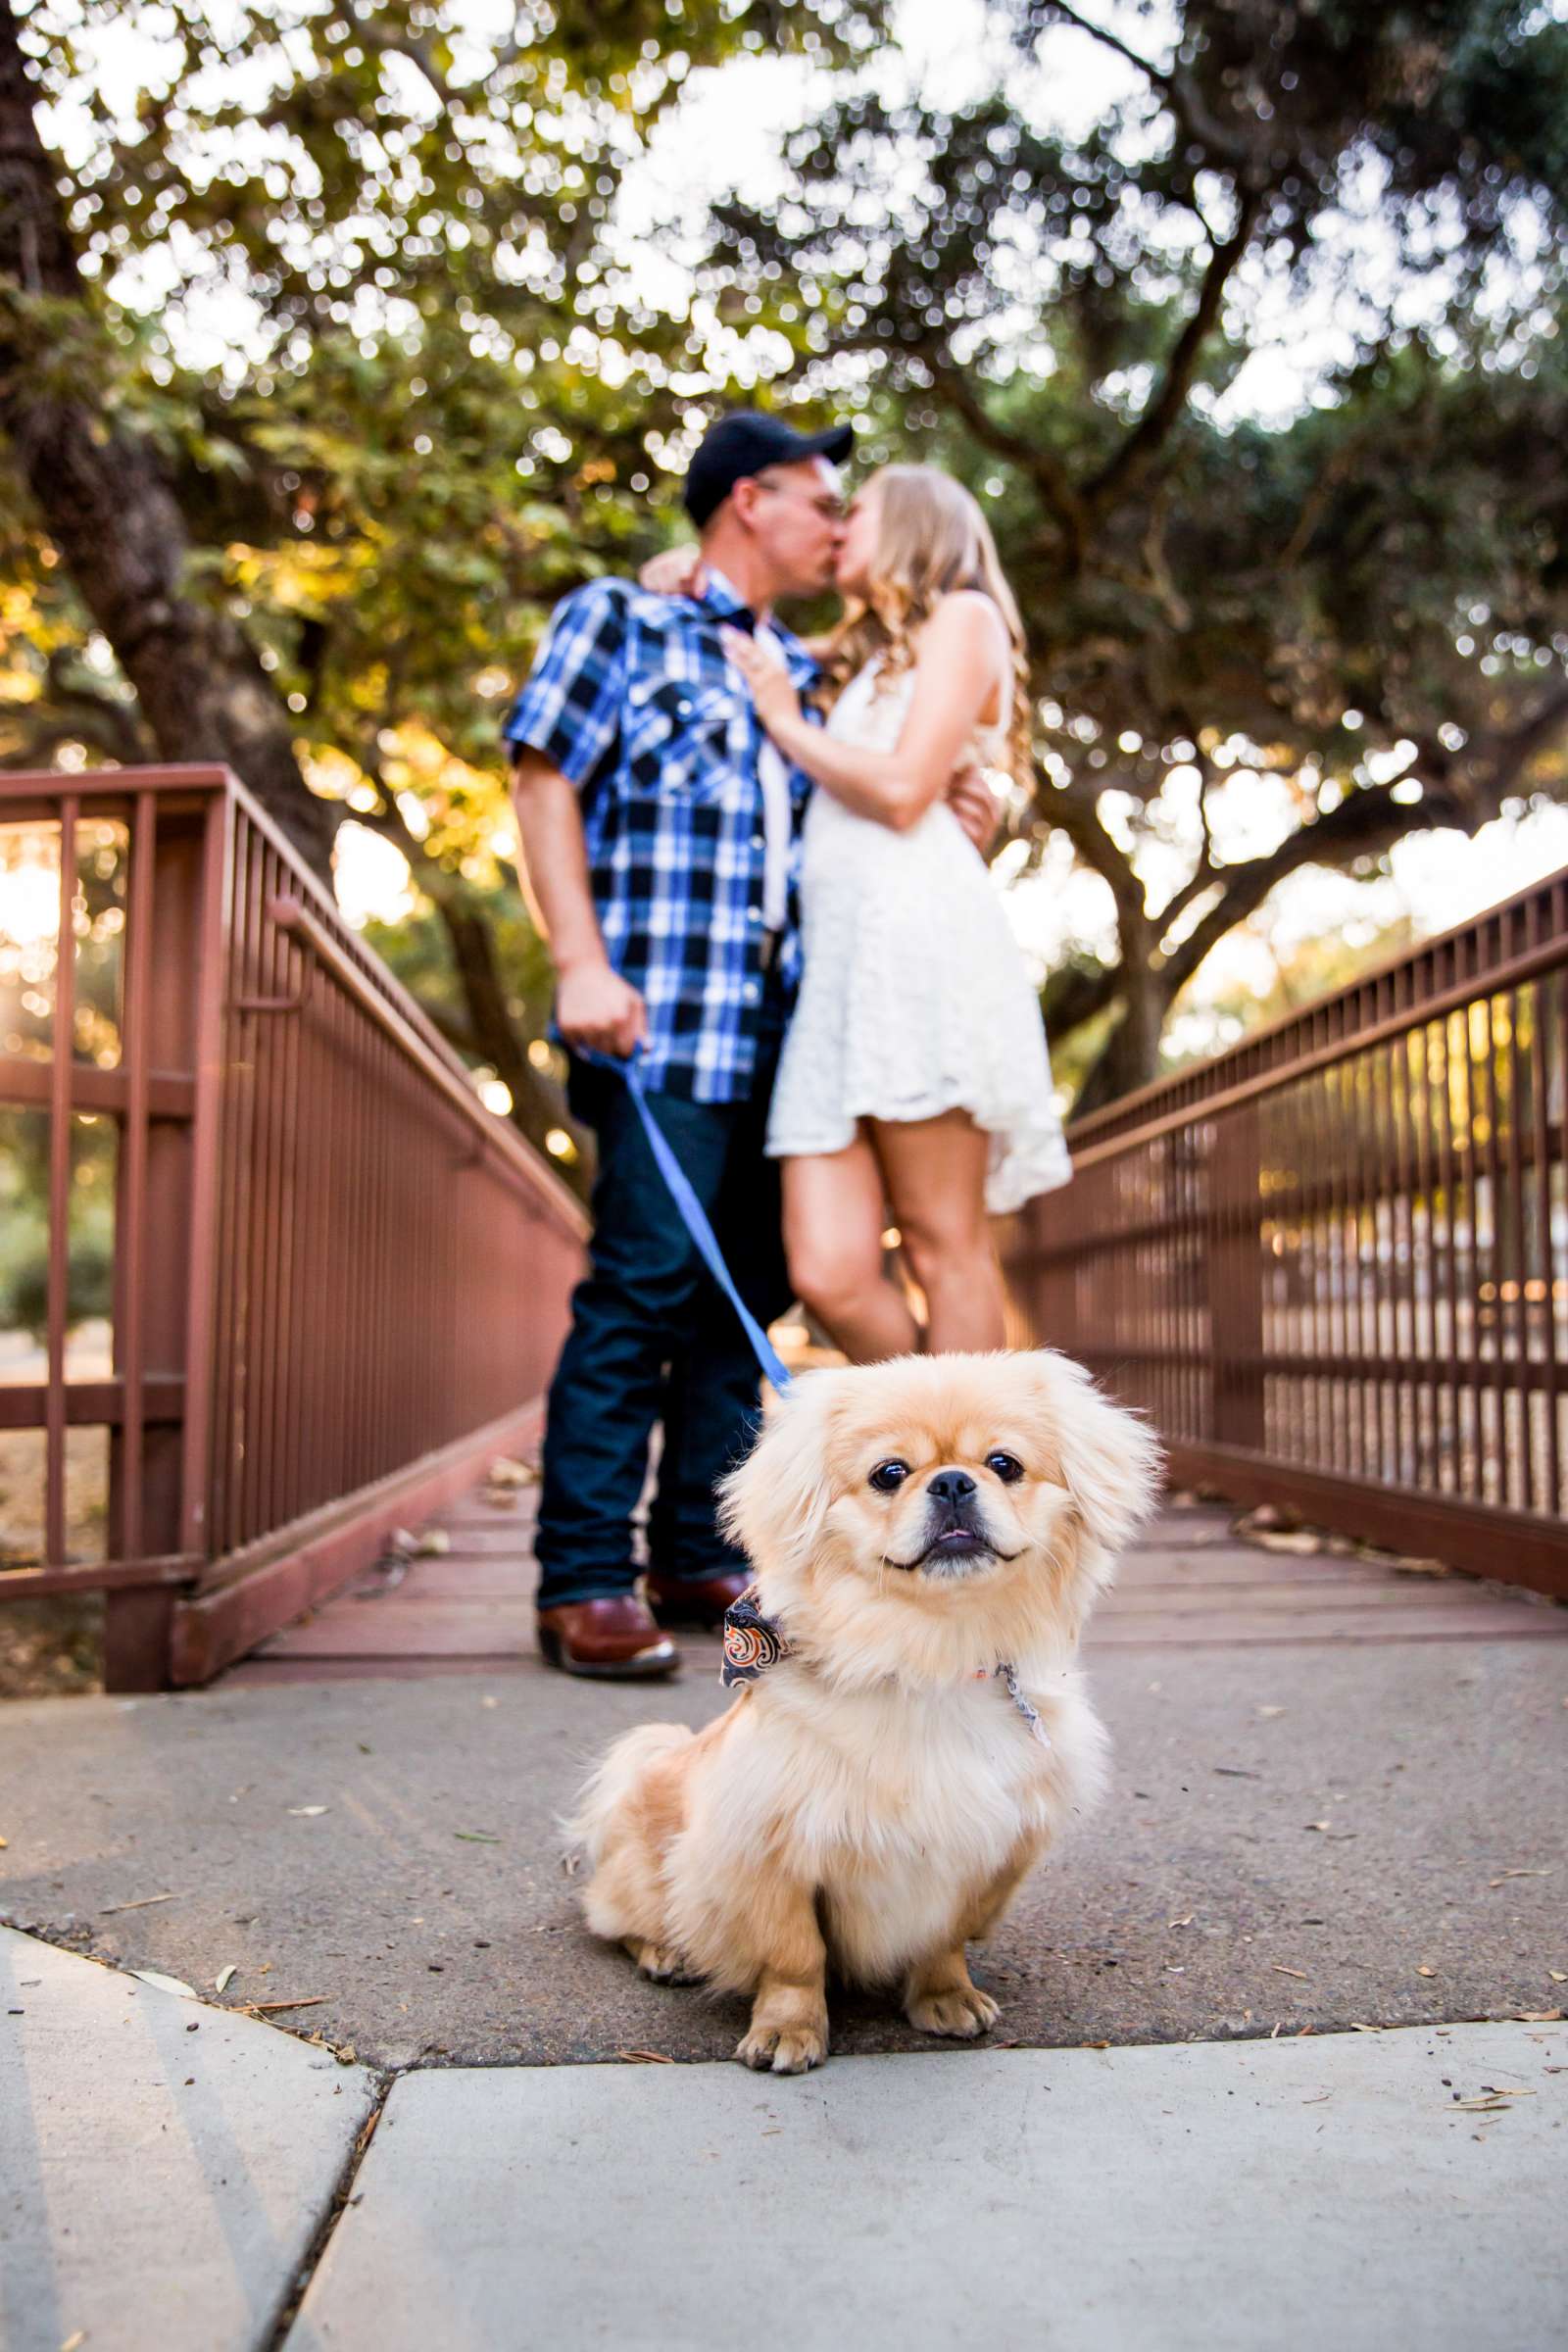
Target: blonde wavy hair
{"points": [[932, 539]]}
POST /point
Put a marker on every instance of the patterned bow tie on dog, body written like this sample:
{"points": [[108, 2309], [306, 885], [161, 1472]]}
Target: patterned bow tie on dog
{"points": [[753, 1642]]}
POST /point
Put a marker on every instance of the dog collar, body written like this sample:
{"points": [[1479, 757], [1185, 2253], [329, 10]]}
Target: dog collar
{"points": [[753, 1642]]}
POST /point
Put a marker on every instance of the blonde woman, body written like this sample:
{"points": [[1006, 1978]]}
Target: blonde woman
{"points": [[914, 1080]]}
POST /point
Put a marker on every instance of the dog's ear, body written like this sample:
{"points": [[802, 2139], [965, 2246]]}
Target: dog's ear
{"points": [[773, 1504], [1111, 1461]]}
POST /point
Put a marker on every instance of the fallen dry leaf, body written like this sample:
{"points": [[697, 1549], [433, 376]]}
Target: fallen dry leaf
{"points": [[1294, 1538], [1424, 1970], [1319, 1825], [152, 1976], [308, 1812], [1267, 1713], [74, 2342], [1181, 1922], [4, 1843], [226, 1977], [433, 1544], [1559, 1976], [505, 1472]]}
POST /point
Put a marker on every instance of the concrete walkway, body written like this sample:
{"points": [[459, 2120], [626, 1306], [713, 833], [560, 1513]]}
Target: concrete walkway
{"points": [[164, 2167], [1336, 1804], [1307, 1830], [1284, 2194], [172, 2176]]}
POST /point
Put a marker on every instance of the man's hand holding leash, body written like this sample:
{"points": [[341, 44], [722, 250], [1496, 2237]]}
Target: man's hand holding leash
{"points": [[596, 1008]]}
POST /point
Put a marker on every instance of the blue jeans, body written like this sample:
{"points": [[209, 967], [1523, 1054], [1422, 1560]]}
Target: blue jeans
{"points": [[654, 1339]]}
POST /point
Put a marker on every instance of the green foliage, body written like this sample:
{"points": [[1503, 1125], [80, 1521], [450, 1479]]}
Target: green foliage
{"points": [[1366, 604], [436, 398]]}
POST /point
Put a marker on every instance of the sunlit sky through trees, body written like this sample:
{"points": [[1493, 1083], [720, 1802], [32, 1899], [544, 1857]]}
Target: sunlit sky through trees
{"points": [[724, 138]]}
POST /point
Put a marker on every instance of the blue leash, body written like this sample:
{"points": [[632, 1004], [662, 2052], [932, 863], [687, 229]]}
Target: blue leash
{"points": [[694, 1217]]}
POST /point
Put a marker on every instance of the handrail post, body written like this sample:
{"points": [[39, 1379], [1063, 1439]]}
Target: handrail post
{"points": [[1236, 1279], [168, 1023]]}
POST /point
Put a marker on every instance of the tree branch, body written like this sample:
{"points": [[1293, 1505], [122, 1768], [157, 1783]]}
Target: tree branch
{"points": [[1035, 462], [106, 500], [1179, 91], [1166, 403], [1363, 825]]}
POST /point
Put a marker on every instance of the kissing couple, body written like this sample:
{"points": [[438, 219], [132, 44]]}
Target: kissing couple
{"points": [[759, 863]]}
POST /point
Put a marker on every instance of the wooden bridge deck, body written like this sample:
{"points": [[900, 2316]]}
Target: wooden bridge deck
{"points": [[1193, 1582]]}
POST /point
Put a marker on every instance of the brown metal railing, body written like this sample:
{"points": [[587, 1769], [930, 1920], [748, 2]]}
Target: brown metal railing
{"points": [[336, 1276], [1332, 1263]]}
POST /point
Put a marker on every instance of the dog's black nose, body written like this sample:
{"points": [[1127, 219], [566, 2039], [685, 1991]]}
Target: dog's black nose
{"points": [[952, 1487]]}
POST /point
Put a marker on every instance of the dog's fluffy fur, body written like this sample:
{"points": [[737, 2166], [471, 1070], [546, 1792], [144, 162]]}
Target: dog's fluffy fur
{"points": [[872, 1802]]}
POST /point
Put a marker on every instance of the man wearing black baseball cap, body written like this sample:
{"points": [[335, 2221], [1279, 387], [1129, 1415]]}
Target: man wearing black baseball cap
{"points": [[660, 831], [746, 445]]}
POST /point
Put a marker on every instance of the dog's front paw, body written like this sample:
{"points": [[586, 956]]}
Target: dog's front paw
{"points": [[662, 1964], [960, 2011], [782, 2050]]}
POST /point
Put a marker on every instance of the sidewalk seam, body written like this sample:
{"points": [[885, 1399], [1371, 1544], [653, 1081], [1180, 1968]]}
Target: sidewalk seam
{"points": [[299, 2285]]}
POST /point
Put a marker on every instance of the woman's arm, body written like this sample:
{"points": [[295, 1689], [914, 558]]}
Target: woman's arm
{"points": [[956, 674], [681, 571]]}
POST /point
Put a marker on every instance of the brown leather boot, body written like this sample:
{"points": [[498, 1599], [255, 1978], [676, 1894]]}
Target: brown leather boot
{"points": [[700, 1601], [612, 1641]]}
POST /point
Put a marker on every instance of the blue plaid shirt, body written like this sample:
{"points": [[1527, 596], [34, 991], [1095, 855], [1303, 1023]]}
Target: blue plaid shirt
{"points": [[631, 697]]}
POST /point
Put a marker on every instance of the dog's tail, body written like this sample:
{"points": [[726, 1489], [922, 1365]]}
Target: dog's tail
{"points": [[613, 1781]]}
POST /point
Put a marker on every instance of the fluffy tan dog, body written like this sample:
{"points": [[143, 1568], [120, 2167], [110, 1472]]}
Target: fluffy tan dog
{"points": [[910, 1731]]}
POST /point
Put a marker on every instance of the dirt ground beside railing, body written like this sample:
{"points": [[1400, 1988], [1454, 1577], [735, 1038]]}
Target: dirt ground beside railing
{"points": [[51, 1648]]}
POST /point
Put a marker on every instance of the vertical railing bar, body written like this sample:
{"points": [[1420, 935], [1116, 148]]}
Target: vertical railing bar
{"points": [[294, 983], [1469, 1146], [1541, 1110], [248, 1263], [1386, 1259], [1447, 1180], [1363, 1355], [62, 1071], [1401, 1242], [354, 1315], [267, 1035], [1328, 1092], [1522, 1413], [197, 1528], [1500, 1368], [130, 1244], [315, 1093], [230, 985], [1306, 1271], [1424, 1261]]}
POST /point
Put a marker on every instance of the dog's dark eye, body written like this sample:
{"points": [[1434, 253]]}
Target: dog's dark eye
{"points": [[1005, 1466], [887, 1477]]}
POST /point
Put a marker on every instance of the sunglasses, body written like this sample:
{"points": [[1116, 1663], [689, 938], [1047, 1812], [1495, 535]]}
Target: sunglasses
{"points": [[830, 507]]}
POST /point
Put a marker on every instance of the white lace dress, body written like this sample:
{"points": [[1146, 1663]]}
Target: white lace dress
{"points": [[914, 999]]}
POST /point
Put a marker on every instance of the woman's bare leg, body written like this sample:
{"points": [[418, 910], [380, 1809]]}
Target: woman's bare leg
{"points": [[936, 1182], [833, 1221]]}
